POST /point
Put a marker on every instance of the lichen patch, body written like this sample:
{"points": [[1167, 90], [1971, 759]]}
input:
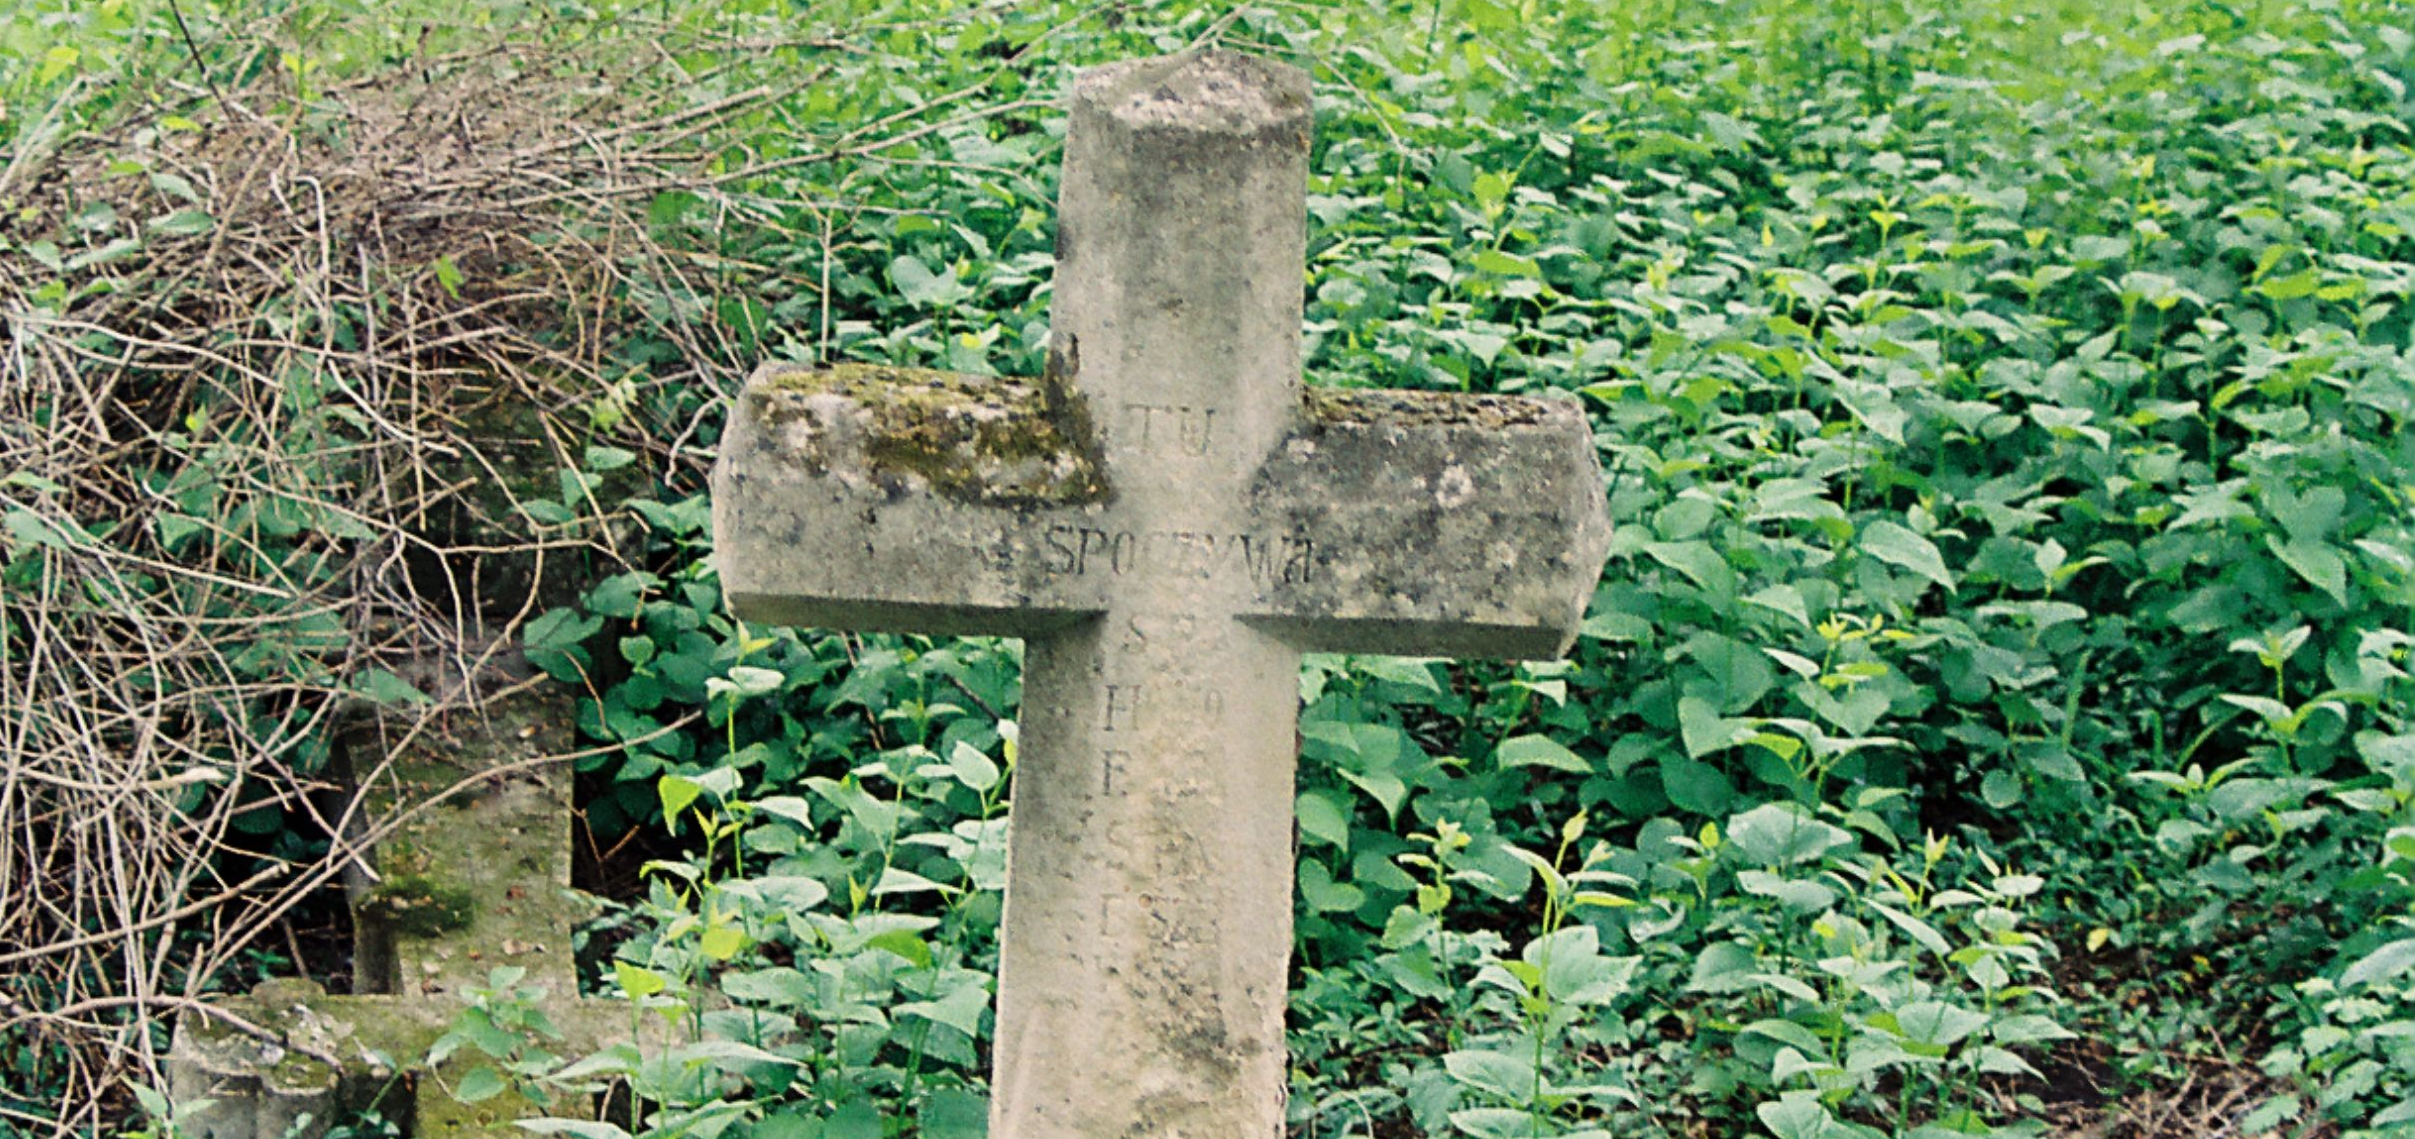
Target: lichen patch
{"points": [[1348, 407], [984, 439], [418, 905]]}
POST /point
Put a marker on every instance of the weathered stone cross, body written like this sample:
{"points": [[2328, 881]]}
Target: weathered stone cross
{"points": [[1168, 520], [478, 882]]}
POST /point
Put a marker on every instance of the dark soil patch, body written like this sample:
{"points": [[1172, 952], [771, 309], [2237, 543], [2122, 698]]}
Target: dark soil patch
{"points": [[2082, 1097]]}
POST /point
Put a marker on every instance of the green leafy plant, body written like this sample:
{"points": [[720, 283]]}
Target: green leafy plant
{"points": [[505, 1026]]}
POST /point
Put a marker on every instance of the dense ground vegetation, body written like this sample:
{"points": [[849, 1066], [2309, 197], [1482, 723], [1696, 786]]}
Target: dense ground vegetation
{"points": [[1995, 713]]}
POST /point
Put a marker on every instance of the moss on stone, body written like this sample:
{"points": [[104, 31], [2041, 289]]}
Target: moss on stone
{"points": [[1345, 407], [418, 905], [297, 1071], [983, 439]]}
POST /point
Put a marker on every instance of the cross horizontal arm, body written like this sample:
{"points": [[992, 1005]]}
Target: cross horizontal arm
{"points": [[915, 501], [904, 500], [1447, 525]]}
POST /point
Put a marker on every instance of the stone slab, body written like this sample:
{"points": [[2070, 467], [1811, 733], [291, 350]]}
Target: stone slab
{"points": [[1386, 522]]}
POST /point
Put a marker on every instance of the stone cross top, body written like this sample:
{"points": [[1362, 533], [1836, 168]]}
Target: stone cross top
{"points": [[1168, 519], [478, 882]]}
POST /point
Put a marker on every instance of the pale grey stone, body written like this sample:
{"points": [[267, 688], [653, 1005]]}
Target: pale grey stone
{"points": [[1169, 520]]}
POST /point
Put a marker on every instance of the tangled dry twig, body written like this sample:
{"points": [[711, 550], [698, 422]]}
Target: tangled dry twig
{"points": [[273, 394]]}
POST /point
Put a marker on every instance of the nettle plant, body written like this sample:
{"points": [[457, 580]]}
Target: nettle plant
{"points": [[821, 966], [842, 939], [1816, 980], [1838, 980], [1926, 987], [1510, 1054], [2356, 1055]]}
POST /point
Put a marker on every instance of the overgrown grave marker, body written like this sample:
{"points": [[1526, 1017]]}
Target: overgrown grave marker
{"points": [[459, 889], [1168, 520]]}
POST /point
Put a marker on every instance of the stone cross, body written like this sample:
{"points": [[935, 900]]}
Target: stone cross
{"points": [[479, 881], [1169, 520]]}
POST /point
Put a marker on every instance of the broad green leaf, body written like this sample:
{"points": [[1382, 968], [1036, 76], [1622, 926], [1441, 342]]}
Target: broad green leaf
{"points": [[479, 1084], [1803, 895], [721, 942], [600, 459], [858, 1118], [1774, 835], [905, 945], [554, 642], [1700, 562], [922, 287], [385, 688], [1322, 893], [1937, 1022], [952, 1113], [2288, 288], [748, 681], [1493, 1122], [1788, 1032], [2381, 964], [2028, 1028], [1797, 1117], [1897, 546], [1408, 672], [678, 792], [1696, 786], [56, 61], [1508, 1076], [25, 526], [182, 223], [113, 251], [1722, 967], [897, 880], [638, 983], [790, 893], [2390, 754], [1504, 264], [972, 767], [2319, 564], [1785, 599], [1539, 751], [1919, 930], [961, 1009], [1705, 731], [2001, 790], [1323, 818]]}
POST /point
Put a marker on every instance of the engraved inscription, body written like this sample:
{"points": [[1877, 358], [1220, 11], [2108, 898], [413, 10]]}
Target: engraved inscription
{"points": [[1170, 428], [1187, 631], [1121, 704], [1268, 559], [1126, 707], [1075, 549]]}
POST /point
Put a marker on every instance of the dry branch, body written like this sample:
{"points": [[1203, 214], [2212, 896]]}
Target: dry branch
{"points": [[230, 456]]}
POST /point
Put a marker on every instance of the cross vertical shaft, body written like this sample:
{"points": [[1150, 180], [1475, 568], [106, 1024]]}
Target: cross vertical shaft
{"points": [[1149, 917], [1150, 913]]}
